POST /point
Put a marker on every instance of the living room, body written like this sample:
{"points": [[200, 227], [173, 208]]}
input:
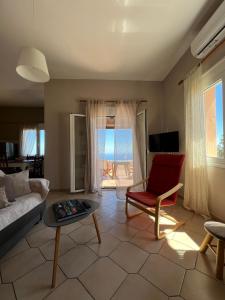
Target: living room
{"points": [[118, 78]]}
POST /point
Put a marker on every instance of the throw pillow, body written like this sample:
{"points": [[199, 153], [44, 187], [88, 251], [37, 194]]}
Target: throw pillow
{"points": [[3, 199], [16, 184], [2, 174]]}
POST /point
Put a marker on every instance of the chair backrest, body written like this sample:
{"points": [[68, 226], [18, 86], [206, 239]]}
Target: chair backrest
{"points": [[3, 161], [165, 173]]}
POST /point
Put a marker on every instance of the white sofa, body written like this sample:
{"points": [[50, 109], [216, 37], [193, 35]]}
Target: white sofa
{"points": [[18, 218]]}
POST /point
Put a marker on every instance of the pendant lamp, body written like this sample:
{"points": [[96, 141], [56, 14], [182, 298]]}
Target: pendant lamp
{"points": [[32, 65]]}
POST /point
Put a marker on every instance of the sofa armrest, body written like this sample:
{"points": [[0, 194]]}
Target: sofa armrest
{"points": [[39, 185]]}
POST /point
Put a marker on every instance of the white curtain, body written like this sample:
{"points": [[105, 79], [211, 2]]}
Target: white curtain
{"points": [[126, 152], [96, 124], [196, 179], [29, 141]]}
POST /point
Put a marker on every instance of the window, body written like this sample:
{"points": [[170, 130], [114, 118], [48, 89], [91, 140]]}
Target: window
{"points": [[213, 105], [213, 97], [33, 142]]}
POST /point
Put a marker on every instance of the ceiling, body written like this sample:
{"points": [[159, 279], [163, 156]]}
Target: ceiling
{"points": [[96, 39]]}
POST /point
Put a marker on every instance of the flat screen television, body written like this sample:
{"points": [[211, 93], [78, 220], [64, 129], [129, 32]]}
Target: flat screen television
{"points": [[164, 142]]}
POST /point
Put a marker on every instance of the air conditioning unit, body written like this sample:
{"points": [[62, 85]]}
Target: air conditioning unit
{"points": [[211, 35]]}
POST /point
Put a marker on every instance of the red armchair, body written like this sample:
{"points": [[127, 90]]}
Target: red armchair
{"points": [[162, 186]]}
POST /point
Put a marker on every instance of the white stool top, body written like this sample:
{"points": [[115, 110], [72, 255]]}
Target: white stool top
{"points": [[216, 229]]}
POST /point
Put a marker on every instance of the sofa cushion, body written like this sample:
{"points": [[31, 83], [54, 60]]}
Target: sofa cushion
{"points": [[3, 198], [20, 207], [16, 184]]}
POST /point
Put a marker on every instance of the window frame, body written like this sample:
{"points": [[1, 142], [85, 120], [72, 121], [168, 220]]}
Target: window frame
{"points": [[37, 129], [210, 78]]}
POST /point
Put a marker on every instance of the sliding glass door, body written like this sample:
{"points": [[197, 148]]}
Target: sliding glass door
{"points": [[78, 150]]}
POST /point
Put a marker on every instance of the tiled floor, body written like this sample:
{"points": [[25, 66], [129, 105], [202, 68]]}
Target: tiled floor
{"points": [[128, 264]]}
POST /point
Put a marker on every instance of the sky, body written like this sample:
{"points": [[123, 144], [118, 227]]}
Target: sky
{"points": [[219, 111], [122, 138]]}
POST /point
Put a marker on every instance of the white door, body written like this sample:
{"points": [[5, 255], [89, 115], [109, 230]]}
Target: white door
{"points": [[78, 147]]}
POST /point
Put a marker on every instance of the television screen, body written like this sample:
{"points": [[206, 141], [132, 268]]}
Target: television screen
{"points": [[164, 142]]}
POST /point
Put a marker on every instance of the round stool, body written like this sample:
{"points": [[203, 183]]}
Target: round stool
{"points": [[215, 230]]}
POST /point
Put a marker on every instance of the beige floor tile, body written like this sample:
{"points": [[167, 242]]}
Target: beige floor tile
{"points": [[103, 278], [108, 244], [36, 228], [180, 213], [119, 217], [201, 287], [129, 257], [71, 289], [83, 234], [37, 284], [179, 253], [105, 224], [176, 298], [20, 264], [70, 228], [196, 224], [188, 237], [88, 220], [21, 246], [7, 292], [66, 243], [206, 263], [146, 241], [140, 222], [123, 232], [164, 274], [136, 287], [76, 261], [41, 237]]}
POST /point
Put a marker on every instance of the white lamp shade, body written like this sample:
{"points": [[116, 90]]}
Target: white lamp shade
{"points": [[32, 65]]}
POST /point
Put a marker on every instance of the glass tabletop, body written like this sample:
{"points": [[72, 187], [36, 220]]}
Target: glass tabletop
{"points": [[49, 216]]}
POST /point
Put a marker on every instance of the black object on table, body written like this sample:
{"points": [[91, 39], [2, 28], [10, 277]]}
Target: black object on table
{"points": [[50, 221]]}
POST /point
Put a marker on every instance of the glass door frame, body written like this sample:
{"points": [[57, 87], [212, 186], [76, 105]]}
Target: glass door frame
{"points": [[73, 152], [146, 141]]}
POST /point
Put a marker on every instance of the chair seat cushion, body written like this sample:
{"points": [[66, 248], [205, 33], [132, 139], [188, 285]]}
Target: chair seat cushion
{"points": [[148, 199], [216, 229]]}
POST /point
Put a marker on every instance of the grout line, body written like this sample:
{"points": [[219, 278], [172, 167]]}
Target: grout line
{"points": [[89, 293], [14, 291]]}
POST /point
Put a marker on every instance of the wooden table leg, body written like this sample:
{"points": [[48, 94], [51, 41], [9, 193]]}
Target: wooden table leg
{"points": [[220, 259], [56, 255], [96, 227]]}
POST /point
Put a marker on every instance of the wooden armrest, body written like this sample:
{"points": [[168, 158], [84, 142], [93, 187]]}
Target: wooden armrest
{"points": [[136, 184], [169, 193]]}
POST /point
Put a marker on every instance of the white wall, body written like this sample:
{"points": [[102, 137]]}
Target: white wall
{"points": [[174, 120], [62, 97]]}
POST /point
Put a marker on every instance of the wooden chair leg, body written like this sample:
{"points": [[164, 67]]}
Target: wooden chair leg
{"points": [[207, 240], [220, 259], [127, 212], [126, 208], [157, 218]]}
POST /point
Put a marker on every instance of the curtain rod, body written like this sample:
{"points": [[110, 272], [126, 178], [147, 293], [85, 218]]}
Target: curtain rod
{"points": [[203, 60], [115, 101]]}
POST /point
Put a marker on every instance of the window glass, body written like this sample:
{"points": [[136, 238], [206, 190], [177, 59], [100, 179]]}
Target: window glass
{"points": [[213, 105], [42, 142], [29, 142]]}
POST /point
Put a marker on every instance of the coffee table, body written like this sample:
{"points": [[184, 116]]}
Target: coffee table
{"points": [[50, 221]]}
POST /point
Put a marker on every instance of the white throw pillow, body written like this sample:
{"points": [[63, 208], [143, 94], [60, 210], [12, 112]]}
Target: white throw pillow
{"points": [[16, 184], [3, 199], [2, 174]]}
